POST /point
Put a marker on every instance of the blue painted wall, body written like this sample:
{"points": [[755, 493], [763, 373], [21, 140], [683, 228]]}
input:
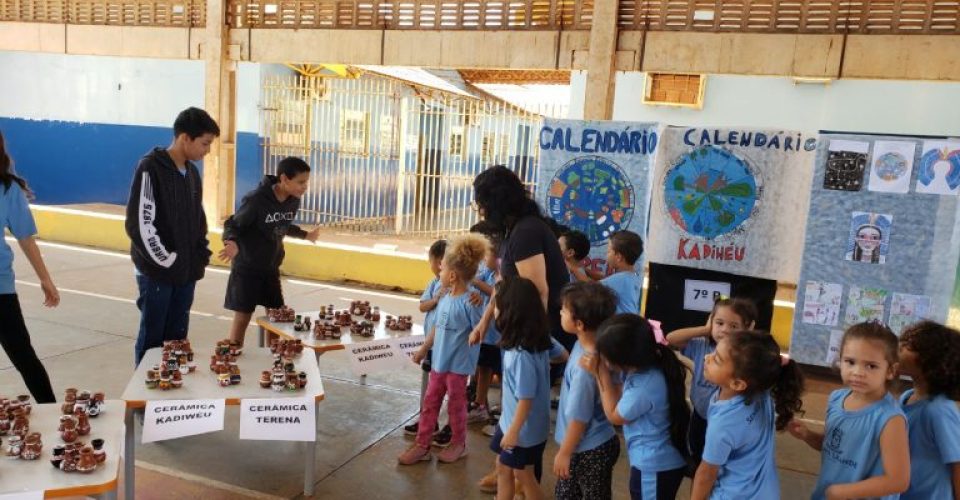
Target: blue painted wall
{"points": [[69, 162]]}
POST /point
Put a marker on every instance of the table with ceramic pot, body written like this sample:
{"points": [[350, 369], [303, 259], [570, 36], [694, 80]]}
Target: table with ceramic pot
{"points": [[285, 330], [203, 384], [22, 477]]}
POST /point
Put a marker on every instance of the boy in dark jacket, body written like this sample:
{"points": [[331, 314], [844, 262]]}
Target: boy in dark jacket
{"points": [[253, 240], [168, 230]]}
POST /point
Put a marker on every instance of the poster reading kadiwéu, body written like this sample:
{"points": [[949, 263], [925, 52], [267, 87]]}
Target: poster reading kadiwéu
{"points": [[731, 200], [595, 178]]}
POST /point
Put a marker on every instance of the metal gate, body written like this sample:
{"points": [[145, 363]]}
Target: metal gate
{"points": [[391, 157]]}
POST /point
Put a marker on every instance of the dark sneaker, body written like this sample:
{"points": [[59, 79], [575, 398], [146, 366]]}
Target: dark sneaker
{"points": [[412, 429], [442, 438]]}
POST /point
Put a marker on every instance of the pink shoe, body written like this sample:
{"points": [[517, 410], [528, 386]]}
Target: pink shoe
{"points": [[452, 453], [413, 455]]}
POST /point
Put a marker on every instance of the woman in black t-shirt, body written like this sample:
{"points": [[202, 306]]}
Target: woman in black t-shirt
{"points": [[529, 249]]}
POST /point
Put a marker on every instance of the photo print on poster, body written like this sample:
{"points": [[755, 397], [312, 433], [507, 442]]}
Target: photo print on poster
{"points": [[865, 304], [906, 309], [821, 303], [846, 161], [869, 239], [891, 166], [939, 168], [833, 349]]}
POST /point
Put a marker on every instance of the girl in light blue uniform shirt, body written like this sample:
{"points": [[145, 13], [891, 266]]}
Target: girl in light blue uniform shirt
{"points": [[651, 406], [524, 426], [864, 449], [758, 391], [930, 355]]}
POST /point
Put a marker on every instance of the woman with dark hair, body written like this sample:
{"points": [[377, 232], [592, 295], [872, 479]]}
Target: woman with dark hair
{"points": [[15, 215], [529, 247]]}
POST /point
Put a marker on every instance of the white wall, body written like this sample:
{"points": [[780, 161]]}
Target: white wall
{"points": [[878, 106], [114, 90]]}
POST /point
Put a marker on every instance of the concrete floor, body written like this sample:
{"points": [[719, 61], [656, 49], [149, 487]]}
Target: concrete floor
{"points": [[87, 342]]}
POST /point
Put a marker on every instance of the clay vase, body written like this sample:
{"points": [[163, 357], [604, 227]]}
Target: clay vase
{"points": [[68, 429], [265, 379], [83, 422], [32, 447], [98, 450], [25, 403], [14, 447], [20, 426], [302, 379], [71, 395], [87, 461], [4, 423]]}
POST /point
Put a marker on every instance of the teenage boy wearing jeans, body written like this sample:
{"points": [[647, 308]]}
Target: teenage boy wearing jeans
{"points": [[168, 230]]}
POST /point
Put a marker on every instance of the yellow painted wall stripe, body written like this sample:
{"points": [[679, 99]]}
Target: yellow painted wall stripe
{"points": [[321, 261]]}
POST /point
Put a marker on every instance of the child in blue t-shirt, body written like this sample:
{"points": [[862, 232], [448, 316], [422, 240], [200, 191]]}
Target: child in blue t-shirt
{"points": [[651, 406], [624, 250], [15, 215], [864, 448], [696, 343], [521, 434], [930, 355], [489, 362], [589, 447], [575, 247], [428, 305], [453, 358], [758, 390]]}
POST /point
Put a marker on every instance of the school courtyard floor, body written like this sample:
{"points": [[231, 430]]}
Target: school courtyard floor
{"points": [[87, 342]]}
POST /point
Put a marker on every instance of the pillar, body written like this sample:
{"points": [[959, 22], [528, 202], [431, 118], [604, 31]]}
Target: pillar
{"points": [[220, 91], [601, 62]]}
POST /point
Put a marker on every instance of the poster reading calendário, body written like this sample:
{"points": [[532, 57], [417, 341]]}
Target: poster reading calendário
{"points": [[595, 178], [880, 241], [731, 200]]}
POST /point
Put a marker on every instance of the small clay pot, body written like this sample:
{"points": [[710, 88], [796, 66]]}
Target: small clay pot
{"points": [[32, 447], [59, 450], [71, 395], [25, 403], [20, 426], [87, 462]]}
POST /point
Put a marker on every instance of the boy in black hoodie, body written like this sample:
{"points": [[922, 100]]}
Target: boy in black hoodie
{"points": [[168, 230], [253, 240]]}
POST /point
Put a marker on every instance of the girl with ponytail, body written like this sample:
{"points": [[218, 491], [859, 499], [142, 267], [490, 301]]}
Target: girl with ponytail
{"points": [[650, 404], [758, 390]]}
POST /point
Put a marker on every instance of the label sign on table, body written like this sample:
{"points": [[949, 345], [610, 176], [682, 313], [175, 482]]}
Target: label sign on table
{"points": [[181, 417], [373, 357], [700, 295], [25, 495], [408, 346], [288, 419]]}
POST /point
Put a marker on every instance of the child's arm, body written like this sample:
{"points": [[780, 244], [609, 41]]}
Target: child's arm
{"points": [[679, 338], [579, 272], [482, 286], [704, 480], [476, 335], [233, 227], [431, 304], [561, 462], [425, 348], [895, 453], [813, 439], [298, 232], [512, 436], [610, 395]]}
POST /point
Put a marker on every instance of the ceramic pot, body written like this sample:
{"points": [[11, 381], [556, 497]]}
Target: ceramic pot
{"points": [[71, 395], [265, 379], [24, 403], [87, 461], [14, 447], [32, 447], [20, 426]]}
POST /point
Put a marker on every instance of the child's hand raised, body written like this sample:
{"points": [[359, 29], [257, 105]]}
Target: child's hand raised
{"points": [[590, 362]]}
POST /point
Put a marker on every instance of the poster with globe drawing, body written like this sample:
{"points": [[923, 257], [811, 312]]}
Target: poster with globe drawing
{"points": [[731, 200], [595, 178]]}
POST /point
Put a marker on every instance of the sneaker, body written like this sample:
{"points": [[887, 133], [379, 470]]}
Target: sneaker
{"points": [[478, 414], [412, 429], [442, 438], [413, 455], [495, 411], [452, 453], [488, 484], [489, 429]]}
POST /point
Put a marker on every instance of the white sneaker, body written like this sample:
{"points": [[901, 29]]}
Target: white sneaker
{"points": [[478, 414], [489, 429]]}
